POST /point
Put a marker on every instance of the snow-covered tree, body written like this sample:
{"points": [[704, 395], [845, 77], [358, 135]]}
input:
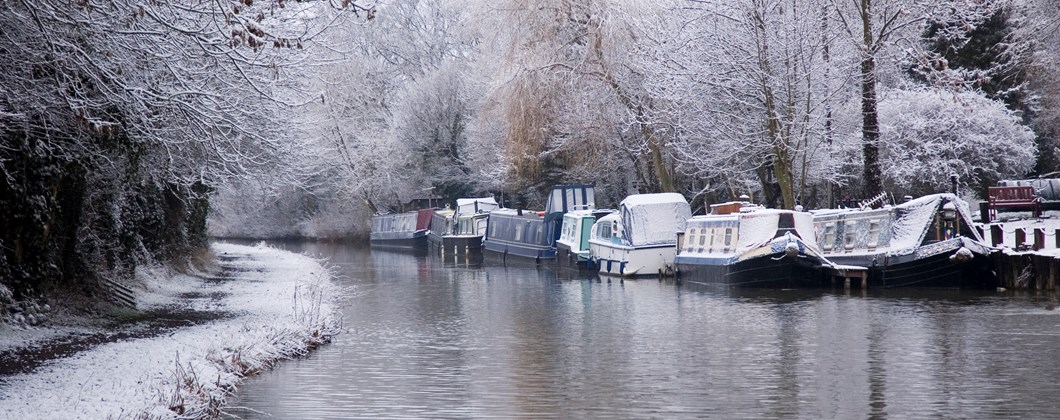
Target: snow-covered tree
{"points": [[928, 135], [757, 68], [118, 117], [873, 26]]}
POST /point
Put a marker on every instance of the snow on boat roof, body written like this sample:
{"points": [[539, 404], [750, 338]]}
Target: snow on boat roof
{"points": [[515, 212], [650, 219], [910, 220], [659, 198], [465, 206]]}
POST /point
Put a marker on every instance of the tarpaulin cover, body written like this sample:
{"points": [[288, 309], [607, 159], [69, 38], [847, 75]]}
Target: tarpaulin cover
{"points": [[654, 219]]}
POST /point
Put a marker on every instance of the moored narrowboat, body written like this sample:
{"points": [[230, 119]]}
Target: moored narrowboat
{"points": [[742, 245], [401, 230], [460, 231], [927, 242], [531, 235]]}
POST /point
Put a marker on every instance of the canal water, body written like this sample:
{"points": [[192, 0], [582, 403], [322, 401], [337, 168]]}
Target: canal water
{"points": [[427, 338]]}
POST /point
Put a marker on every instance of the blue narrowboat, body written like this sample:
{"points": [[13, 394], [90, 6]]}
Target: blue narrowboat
{"points": [[531, 235]]}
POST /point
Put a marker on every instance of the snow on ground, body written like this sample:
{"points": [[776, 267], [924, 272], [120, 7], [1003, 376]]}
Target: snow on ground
{"points": [[277, 305], [1010, 222]]}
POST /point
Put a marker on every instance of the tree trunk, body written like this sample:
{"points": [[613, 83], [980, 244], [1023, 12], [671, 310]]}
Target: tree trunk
{"points": [[870, 125], [666, 179], [781, 161], [870, 129]]}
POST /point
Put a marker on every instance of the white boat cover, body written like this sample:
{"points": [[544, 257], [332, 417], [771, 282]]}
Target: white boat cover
{"points": [[654, 219], [470, 206], [913, 219]]}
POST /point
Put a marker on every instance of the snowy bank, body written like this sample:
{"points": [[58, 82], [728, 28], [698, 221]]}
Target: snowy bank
{"points": [[273, 305]]}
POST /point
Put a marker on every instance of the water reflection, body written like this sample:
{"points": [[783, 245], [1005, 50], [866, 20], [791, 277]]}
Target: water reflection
{"points": [[430, 337]]}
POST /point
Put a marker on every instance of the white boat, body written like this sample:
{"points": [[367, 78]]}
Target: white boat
{"points": [[641, 238]]}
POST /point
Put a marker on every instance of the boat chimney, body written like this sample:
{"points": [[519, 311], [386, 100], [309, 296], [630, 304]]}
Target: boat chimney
{"points": [[953, 184]]}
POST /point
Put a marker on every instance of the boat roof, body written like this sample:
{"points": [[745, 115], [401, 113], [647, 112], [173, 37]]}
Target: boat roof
{"points": [[466, 206], [506, 212], [657, 198], [910, 220], [650, 219]]}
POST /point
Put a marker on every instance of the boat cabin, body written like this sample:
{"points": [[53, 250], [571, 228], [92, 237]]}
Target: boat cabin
{"points": [[533, 234]]}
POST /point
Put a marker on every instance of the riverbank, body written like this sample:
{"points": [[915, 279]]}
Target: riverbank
{"points": [[191, 339]]}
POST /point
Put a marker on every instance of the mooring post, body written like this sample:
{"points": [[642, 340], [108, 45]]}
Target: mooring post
{"points": [[1039, 238], [996, 235], [1021, 238], [1052, 281]]}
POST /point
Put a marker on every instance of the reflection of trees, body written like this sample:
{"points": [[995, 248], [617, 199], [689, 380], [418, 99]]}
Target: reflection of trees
{"points": [[877, 372], [786, 401]]}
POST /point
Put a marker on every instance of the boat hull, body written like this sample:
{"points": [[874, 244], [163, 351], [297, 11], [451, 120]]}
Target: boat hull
{"points": [[628, 261], [570, 260], [930, 266], [936, 271], [400, 240], [775, 271], [506, 251], [456, 244]]}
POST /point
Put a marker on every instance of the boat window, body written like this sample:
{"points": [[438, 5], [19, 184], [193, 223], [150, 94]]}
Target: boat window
{"points": [[604, 232], [728, 237], [828, 237], [874, 233], [703, 237], [848, 240]]}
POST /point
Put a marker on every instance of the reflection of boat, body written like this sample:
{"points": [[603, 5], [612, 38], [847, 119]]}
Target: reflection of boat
{"points": [[742, 245], [458, 259], [532, 235], [572, 247], [927, 242], [401, 230], [641, 238], [460, 231]]}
